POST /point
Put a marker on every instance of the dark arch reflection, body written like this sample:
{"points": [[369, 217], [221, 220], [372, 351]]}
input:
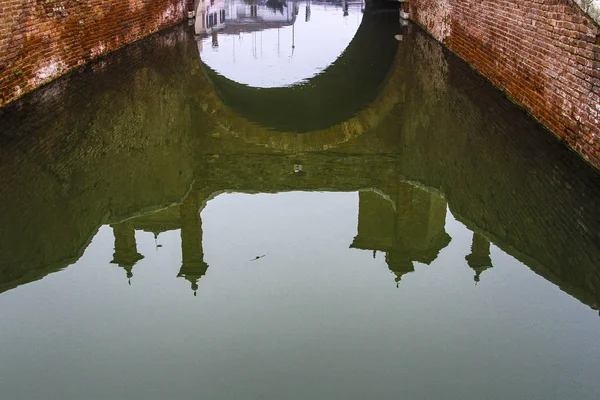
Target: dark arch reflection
{"points": [[335, 94]]}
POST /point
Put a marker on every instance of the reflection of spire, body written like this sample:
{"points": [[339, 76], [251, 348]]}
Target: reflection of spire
{"points": [[479, 259], [125, 254], [399, 263], [307, 15], [193, 266]]}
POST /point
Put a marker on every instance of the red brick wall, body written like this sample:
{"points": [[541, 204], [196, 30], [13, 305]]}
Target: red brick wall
{"points": [[545, 54], [43, 39]]}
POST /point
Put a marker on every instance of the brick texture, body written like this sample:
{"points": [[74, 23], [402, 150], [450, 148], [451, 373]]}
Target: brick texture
{"points": [[544, 54], [43, 39]]}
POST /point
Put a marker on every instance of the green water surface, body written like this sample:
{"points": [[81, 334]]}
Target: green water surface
{"points": [[361, 216]]}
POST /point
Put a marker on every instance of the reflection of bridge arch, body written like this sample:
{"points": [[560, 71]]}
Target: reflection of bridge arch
{"points": [[86, 190], [306, 117]]}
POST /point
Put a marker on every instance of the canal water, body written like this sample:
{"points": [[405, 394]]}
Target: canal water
{"points": [[292, 200]]}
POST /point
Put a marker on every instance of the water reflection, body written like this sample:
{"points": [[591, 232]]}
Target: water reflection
{"points": [[264, 44], [419, 241]]}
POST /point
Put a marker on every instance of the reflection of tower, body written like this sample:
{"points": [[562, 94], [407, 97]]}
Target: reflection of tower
{"points": [[215, 40], [421, 219], [399, 263], [479, 259], [408, 226], [345, 8], [125, 254], [193, 266]]}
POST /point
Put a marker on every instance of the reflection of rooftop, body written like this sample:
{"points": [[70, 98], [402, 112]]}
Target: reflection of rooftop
{"points": [[235, 28], [158, 222]]}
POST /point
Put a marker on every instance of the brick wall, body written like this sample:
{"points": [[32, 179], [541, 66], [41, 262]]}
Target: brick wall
{"points": [[43, 39], [545, 54]]}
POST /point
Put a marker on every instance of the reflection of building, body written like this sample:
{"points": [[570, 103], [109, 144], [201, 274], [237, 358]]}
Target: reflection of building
{"points": [[210, 16], [408, 226], [407, 223], [185, 217]]}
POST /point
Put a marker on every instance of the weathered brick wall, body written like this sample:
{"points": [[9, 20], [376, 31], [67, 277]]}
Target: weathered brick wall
{"points": [[43, 39], [545, 54]]}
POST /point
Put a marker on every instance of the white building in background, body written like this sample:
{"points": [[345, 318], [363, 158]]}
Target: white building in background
{"points": [[210, 16]]}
